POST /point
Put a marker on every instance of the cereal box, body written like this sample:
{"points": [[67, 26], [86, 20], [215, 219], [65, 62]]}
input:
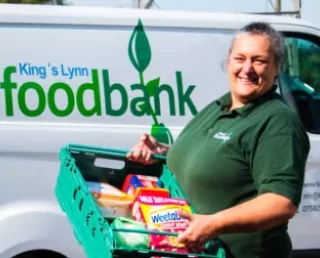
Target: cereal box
{"points": [[156, 192], [159, 213], [133, 182]]}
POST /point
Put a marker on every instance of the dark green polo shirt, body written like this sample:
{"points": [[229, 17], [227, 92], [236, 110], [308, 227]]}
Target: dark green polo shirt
{"points": [[223, 158]]}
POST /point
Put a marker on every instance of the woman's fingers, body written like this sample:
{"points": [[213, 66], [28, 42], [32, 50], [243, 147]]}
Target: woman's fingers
{"points": [[148, 156], [143, 137], [136, 153], [140, 154], [149, 141], [143, 151]]}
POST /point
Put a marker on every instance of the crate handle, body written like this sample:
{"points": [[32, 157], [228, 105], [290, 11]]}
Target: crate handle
{"points": [[141, 231], [163, 233], [120, 153]]}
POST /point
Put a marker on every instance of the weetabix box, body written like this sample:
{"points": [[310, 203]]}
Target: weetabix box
{"points": [[161, 214]]}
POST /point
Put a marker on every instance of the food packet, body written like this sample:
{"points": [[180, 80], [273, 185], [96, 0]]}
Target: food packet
{"points": [[161, 214], [111, 201], [130, 240]]}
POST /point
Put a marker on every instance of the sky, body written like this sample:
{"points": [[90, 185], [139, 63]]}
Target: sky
{"points": [[309, 11]]}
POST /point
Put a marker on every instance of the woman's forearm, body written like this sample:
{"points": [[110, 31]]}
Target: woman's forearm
{"points": [[263, 212]]}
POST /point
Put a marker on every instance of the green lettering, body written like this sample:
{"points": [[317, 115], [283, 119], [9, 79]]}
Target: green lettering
{"points": [[94, 87], [22, 99], [140, 101], [184, 98], [108, 89], [157, 105], [7, 86], [52, 103]]}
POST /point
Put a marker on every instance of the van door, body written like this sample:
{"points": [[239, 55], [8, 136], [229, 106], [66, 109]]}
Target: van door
{"points": [[300, 85]]}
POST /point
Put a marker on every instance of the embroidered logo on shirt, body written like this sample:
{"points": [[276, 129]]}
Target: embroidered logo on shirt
{"points": [[223, 136]]}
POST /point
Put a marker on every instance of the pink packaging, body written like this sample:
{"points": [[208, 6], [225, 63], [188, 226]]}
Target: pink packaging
{"points": [[160, 213]]}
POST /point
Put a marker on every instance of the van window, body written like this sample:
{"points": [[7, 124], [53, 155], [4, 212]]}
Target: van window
{"points": [[299, 79]]}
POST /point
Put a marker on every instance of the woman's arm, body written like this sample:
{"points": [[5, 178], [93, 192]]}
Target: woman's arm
{"points": [[263, 212]]}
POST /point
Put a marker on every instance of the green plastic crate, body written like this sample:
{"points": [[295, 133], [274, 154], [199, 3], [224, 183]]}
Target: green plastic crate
{"points": [[92, 230]]}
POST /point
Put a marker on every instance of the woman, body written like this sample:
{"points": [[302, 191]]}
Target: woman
{"points": [[241, 160]]}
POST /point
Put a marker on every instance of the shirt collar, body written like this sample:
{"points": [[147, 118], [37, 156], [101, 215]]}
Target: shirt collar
{"points": [[225, 102]]}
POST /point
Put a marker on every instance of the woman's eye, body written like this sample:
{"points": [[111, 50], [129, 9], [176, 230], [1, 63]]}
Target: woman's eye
{"points": [[260, 61], [238, 58]]}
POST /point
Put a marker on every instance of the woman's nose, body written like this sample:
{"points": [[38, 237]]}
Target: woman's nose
{"points": [[247, 66]]}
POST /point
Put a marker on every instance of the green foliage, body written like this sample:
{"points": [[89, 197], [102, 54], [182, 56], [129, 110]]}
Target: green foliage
{"points": [[309, 64]]}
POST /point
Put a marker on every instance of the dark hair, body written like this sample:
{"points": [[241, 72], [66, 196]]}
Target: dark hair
{"points": [[265, 29]]}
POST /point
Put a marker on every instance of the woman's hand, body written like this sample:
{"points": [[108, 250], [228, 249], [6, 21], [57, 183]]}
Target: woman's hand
{"points": [[201, 229], [147, 146]]}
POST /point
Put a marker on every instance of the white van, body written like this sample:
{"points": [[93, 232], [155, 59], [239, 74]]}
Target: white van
{"points": [[84, 75]]}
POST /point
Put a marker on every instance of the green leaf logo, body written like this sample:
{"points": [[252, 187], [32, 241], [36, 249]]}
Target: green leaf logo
{"points": [[139, 51], [139, 48], [142, 107], [162, 133], [152, 86]]}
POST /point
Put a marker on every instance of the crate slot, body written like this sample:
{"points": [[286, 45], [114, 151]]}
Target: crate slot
{"points": [[89, 217], [80, 204], [109, 163], [76, 190]]}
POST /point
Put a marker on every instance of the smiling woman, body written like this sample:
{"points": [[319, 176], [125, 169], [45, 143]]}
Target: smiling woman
{"points": [[241, 160]]}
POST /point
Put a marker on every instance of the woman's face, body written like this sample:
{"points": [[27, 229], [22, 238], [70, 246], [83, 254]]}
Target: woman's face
{"points": [[251, 67]]}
